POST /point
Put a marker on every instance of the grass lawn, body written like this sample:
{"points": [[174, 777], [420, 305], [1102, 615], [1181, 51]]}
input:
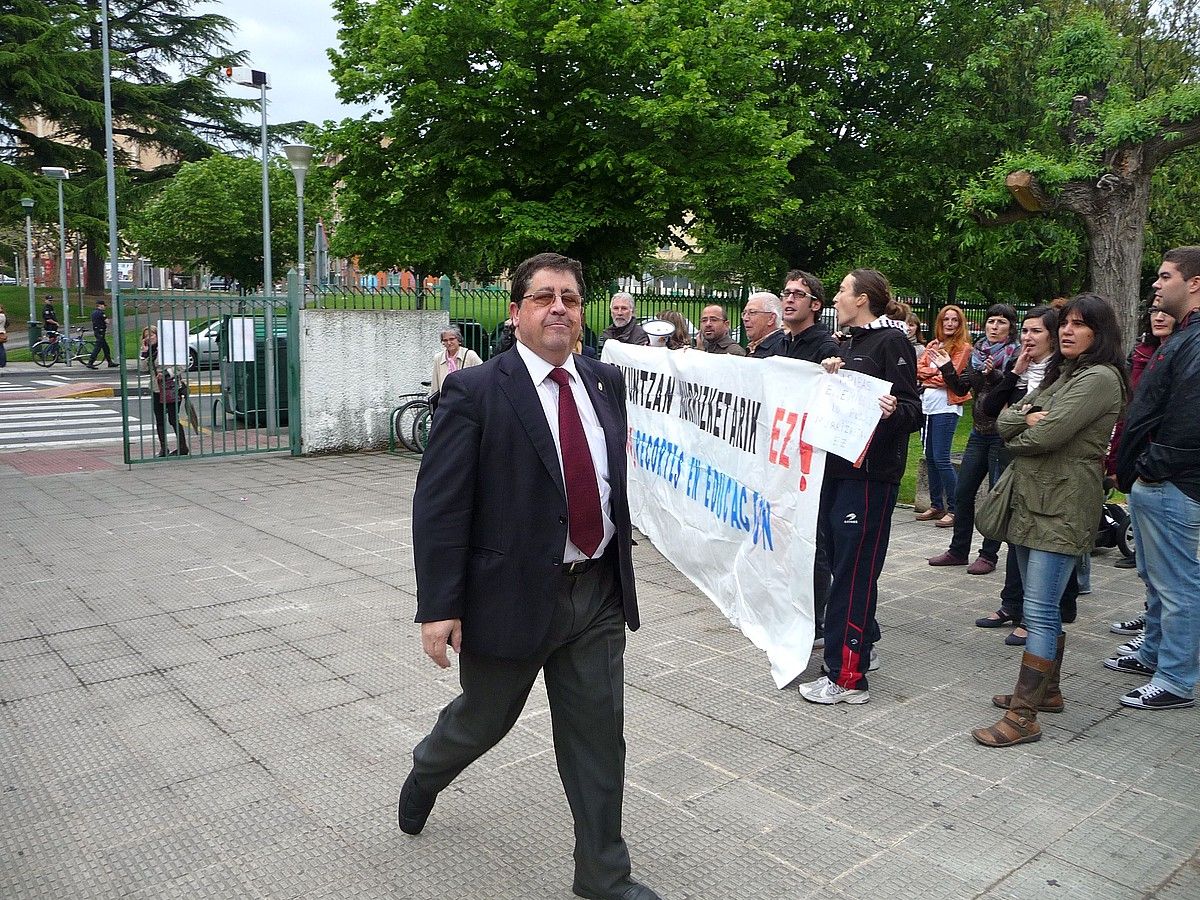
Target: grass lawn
{"points": [[908, 484]]}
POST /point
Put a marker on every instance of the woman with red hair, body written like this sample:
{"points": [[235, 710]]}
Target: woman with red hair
{"points": [[942, 408]]}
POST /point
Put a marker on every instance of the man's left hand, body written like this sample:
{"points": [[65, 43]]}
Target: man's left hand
{"points": [[887, 403]]}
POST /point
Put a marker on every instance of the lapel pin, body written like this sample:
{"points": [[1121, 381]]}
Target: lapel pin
{"points": [[600, 387]]}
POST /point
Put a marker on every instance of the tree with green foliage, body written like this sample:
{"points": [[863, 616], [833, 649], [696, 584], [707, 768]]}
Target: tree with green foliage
{"points": [[166, 99], [586, 126], [210, 214], [1120, 97]]}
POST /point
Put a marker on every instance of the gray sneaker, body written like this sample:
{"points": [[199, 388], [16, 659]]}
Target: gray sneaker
{"points": [[826, 692]]}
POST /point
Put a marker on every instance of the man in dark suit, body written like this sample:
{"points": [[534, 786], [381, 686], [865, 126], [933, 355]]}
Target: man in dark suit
{"points": [[532, 572]]}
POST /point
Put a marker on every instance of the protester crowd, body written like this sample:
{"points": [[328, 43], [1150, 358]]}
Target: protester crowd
{"points": [[532, 575], [1050, 396]]}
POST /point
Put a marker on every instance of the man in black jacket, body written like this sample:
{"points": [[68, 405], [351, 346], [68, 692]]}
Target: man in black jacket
{"points": [[804, 337], [532, 573], [855, 517], [1158, 466], [100, 331]]}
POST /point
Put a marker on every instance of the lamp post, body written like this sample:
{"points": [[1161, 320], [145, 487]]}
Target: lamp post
{"points": [[27, 202], [299, 157], [60, 175], [248, 77]]}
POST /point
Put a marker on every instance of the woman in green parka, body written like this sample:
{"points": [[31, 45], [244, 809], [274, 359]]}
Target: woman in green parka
{"points": [[1058, 438]]}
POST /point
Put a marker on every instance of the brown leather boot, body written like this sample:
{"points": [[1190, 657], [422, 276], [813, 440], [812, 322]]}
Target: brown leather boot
{"points": [[1019, 725], [1053, 701]]}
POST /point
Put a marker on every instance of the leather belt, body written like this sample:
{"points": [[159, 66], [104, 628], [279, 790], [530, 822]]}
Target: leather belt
{"points": [[581, 567]]}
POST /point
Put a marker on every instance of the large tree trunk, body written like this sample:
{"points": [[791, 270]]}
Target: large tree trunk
{"points": [[96, 263], [1114, 210]]}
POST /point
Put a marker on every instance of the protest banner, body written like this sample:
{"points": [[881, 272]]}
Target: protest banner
{"points": [[726, 483]]}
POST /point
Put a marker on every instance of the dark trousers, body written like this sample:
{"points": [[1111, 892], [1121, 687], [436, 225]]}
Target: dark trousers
{"points": [[857, 518], [821, 578], [583, 662], [1012, 595], [983, 457], [170, 411], [101, 345]]}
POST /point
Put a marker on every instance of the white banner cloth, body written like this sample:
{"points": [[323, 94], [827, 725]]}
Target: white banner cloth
{"points": [[725, 482]]}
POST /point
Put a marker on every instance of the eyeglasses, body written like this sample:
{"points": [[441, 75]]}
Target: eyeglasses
{"points": [[704, 319], [798, 295], [546, 297], [1159, 312], [754, 312]]}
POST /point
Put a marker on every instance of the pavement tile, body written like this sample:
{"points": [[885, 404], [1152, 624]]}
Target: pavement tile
{"points": [[244, 734]]}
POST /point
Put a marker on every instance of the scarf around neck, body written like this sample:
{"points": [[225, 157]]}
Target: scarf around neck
{"points": [[1001, 354]]}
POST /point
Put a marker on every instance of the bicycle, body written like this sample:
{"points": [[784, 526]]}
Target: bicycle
{"points": [[410, 423], [55, 348]]}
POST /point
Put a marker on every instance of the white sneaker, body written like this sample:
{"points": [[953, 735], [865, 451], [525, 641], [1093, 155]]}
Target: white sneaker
{"points": [[1132, 646], [871, 666], [825, 691]]}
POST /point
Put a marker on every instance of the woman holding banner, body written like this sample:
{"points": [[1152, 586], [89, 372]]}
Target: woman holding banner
{"points": [[855, 516]]}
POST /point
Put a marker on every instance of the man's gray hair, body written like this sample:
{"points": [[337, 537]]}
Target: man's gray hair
{"points": [[770, 303], [624, 295]]}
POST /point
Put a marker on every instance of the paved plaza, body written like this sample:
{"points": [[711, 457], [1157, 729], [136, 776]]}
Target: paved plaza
{"points": [[210, 685]]}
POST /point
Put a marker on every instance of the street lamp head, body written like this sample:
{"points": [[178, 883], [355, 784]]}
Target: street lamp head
{"points": [[299, 156], [27, 202], [56, 172]]}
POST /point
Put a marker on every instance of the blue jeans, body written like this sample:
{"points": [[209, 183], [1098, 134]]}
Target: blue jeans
{"points": [[1045, 575], [939, 432], [1166, 535], [983, 458]]}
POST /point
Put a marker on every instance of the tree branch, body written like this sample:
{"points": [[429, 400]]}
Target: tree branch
{"points": [[1160, 146]]}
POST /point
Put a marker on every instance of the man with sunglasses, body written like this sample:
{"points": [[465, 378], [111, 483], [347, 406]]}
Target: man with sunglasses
{"points": [[532, 573]]}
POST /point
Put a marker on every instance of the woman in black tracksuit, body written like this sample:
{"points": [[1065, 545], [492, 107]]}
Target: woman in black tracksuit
{"points": [[855, 516]]}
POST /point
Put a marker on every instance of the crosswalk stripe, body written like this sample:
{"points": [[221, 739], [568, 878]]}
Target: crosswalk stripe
{"points": [[29, 415], [142, 427]]}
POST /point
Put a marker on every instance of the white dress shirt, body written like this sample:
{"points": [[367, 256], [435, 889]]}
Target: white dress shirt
{"points": [[547, 389]]}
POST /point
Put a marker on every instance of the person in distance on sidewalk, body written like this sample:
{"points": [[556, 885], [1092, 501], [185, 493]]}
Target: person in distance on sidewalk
{"points": [[855, 513], [532, 573], [1057, 439]]}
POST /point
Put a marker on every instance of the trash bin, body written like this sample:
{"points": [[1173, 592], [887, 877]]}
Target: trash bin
{"points": [[35, 333], [244, 384]]}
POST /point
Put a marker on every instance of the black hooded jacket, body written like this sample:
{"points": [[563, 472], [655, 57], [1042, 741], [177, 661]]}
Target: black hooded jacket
{"points": [[1161, 441], [882, 349]]}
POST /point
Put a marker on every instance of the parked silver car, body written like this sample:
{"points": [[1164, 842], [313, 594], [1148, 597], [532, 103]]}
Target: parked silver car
{"points": [[203, 346]]}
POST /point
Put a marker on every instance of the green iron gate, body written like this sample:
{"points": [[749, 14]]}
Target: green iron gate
{"points": [[208, 374]]}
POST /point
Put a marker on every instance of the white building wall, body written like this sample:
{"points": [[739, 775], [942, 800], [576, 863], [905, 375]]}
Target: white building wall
{"points": [[354, 364]]}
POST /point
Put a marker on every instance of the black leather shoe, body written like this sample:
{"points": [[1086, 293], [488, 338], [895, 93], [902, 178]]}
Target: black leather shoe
{"points": [[415, 806], [627, 890]]}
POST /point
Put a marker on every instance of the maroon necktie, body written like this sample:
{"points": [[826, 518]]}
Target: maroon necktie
{"points": [[583, 494]]}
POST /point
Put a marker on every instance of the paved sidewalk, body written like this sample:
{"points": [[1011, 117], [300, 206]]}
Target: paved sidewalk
{"points": [[210, 684]]}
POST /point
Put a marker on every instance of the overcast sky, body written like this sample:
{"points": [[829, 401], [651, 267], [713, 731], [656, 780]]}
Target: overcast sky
{"points": [[287, 39]]}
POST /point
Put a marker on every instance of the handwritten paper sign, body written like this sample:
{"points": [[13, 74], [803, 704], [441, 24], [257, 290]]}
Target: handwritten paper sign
{"points": [[843, 413], [173, 342]]}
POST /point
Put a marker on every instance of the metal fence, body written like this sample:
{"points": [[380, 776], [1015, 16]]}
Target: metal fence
{"points": [[480, 312], [220, 381]]}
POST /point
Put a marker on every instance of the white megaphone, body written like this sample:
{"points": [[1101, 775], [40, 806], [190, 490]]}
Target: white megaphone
{"points": [[659, 331]]}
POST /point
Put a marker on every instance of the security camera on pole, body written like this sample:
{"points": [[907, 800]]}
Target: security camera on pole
{"points": [[254, 78]]}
